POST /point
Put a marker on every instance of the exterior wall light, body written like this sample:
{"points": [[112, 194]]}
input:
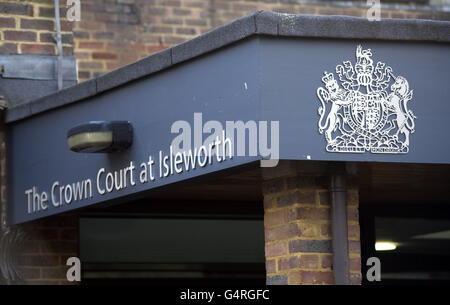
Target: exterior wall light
{"points": [[385, 246], [100, 136]]}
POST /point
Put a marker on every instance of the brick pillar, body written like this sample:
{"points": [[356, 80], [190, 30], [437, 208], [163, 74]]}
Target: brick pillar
{"points": [[50, 241], [297, 222]]}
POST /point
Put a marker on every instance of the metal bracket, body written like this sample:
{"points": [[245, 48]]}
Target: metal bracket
{"points": [[37, 67]]}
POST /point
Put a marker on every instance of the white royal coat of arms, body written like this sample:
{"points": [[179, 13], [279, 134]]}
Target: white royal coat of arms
{"points": [[368, 109]]}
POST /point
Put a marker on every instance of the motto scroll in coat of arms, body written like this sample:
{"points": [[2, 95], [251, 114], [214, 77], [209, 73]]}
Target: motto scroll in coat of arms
{"points": [[368, 110]]}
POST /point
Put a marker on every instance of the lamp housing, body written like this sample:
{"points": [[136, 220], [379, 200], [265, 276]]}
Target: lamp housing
{"points": [[100, 137]]}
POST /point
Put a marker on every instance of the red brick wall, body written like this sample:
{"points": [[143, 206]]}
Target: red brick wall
{"points": [[113, 33], [117, 32], [26, 27], [297, 225]]}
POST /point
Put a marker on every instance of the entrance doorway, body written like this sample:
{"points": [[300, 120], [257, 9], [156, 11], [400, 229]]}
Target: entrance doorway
{"points": [[210, 232]]}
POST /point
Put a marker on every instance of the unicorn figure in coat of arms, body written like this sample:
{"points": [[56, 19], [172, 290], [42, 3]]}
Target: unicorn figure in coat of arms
{"points": [[367, 108]]}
